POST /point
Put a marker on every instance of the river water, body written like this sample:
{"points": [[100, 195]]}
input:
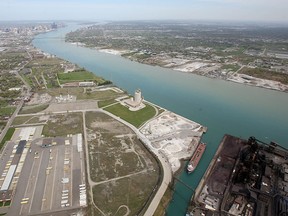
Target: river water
{"points": [[224, 107]]}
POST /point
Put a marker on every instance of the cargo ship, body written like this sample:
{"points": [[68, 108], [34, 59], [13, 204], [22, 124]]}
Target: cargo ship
{"points": [[196, 157]]}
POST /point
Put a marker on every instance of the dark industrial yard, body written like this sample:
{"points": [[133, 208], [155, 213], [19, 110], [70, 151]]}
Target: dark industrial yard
{"points": [[245, 177]]}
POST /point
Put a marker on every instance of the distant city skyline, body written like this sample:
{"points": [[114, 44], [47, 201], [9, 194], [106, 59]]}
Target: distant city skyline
{"points": [[225, 10]]}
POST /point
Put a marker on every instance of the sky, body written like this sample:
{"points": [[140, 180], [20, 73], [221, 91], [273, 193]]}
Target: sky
{"points": [[224, 10]]}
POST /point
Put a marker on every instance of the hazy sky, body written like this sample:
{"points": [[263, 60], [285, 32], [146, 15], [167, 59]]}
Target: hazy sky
{"points": [[246, 10]]}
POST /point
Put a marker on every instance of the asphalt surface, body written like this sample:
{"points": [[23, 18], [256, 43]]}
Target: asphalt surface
{"points": [[41, 183], [45, 191]]}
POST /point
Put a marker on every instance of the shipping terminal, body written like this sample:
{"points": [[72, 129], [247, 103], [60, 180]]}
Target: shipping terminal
{"points": [[245, 177]]}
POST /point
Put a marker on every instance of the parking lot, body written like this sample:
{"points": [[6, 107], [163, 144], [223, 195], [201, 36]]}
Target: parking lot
{"points": [[51, 176]]}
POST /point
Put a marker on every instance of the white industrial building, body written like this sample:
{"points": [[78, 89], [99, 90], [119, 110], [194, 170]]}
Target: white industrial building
{"points": [[136, 102], [86, 84]]}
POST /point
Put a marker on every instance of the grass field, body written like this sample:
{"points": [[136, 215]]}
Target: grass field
{"points": [[7, 137], [104, 103], [19, 120], [7, 111], [100, 95], [78, 76], [33, 109], [135, 118], [131, 191]]}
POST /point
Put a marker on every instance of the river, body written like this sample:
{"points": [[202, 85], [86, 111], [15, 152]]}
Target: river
{"points": [[224, 107]]}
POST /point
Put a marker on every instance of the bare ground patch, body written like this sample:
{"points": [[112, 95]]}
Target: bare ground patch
{"points": [[63, 124], [124, 171], [131, 192]]}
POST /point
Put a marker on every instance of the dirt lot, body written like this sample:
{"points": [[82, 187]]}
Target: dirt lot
{"points": [[60, 125], [58, 107], [124, 172]]}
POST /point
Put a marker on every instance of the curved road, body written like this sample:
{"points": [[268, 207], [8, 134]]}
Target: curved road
{"points": [[167, 172]]}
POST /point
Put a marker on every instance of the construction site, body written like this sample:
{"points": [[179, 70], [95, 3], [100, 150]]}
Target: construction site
{"points": [[174, 136]]}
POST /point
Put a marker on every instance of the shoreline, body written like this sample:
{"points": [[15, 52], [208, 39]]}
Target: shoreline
{"points": [[191, 183], [167, 140], [242, 79]]}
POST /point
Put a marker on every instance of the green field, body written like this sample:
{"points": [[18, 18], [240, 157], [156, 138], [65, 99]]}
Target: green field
{"points": [[78, 76], [7, 137], [7, 111], [33, 109], [131, 191], [136, 118], [21, 120], [106, 103]]}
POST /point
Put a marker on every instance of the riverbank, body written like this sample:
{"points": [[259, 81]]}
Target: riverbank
{"points": [[262, 83], [187, 50], [224, 107], [199, 67]]}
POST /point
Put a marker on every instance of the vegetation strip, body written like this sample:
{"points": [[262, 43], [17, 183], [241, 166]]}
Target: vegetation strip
{"points": [[7, 137], [135, 118]]}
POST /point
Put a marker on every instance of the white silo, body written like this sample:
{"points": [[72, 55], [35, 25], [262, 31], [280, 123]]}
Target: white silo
{"points": [[137, 96]]}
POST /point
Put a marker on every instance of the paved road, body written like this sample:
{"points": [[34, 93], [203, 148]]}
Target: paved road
{"points": [[3, 133], [23, 80], [167, 172], [40, 184]]}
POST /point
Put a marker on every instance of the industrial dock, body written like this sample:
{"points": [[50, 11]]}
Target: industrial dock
{"points": [[245, 177]]}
